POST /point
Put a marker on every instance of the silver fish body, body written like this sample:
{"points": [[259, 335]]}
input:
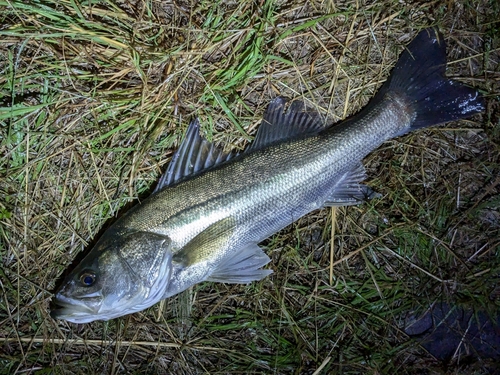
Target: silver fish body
{"points": [[208, 214], [258, 193]]}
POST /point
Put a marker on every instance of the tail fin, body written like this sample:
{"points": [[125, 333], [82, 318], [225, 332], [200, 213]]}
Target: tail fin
{"points": [[420, 76]]}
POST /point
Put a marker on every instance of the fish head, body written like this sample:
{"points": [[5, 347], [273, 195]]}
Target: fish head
{"points": [[122, 274]]}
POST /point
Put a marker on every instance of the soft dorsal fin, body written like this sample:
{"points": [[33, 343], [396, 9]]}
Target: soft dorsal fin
{"points": [[194, 155], [281, 123]]}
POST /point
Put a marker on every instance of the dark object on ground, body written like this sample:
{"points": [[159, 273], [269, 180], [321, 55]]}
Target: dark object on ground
{"points": [[447, 331]]}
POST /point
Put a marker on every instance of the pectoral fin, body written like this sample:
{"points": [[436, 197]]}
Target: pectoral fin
{"points": [[211, 247], [207, 246]]}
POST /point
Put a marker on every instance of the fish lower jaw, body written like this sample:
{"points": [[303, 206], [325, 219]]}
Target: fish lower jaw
{"points": [[72, 311], [72, 315], [81, 314]]}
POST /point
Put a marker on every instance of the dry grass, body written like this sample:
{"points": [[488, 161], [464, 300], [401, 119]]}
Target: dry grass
{"points": [[94, 97]]}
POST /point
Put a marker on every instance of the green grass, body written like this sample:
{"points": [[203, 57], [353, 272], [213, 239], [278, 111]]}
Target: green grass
{"points": [[96, 95]]}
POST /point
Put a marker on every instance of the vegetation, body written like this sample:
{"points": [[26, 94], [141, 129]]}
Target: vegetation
{"points": [[96, 94]]}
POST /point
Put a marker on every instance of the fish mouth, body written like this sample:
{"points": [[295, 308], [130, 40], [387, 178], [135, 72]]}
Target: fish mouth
{"points": [[73, 310]]}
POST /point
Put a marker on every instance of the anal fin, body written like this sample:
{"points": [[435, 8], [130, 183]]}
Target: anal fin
{"points": [[349, 191]]}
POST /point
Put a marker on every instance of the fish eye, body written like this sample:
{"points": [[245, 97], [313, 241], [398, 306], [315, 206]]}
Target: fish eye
{"points": [[87, 278]]}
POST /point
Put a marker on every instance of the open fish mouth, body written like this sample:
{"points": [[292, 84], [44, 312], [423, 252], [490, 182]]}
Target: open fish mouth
{"points": [[72, 310]]}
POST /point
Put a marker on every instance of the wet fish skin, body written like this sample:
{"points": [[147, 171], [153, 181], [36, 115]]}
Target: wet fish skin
{"points": [[210, 211]]}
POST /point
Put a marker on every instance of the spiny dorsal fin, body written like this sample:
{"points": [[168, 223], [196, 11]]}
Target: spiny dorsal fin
{"points": [[281, 123], [194, 155], [349, 191]]}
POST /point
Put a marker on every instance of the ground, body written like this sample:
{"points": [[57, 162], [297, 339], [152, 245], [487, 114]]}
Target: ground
{"points": [[96, 95]]}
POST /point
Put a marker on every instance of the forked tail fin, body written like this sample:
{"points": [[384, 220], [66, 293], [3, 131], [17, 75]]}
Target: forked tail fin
{"points": [[419, 75]]}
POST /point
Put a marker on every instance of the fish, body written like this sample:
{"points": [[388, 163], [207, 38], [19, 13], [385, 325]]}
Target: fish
{"points": [[210, 210]]}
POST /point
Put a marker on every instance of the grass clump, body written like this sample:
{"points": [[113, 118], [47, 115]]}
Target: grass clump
{"points": [[96, 95]]}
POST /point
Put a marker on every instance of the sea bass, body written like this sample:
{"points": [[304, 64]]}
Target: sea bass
{"points": [[210, 210]]}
